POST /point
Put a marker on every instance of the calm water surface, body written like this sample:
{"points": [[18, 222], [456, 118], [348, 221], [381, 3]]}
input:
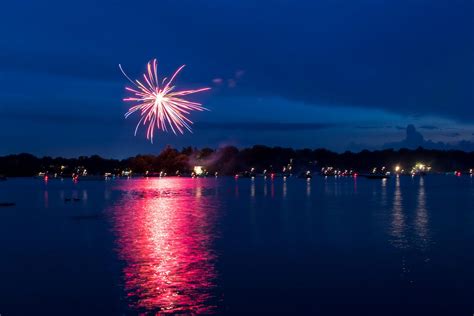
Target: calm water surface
{"points": [[403, 246]]}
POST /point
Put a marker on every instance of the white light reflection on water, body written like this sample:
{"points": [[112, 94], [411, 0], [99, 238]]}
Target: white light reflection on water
{"points": [[308, 188], [410, 234], [421, 218], [398, 218]]}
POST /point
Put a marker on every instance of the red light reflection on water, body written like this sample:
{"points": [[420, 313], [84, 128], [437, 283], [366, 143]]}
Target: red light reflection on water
{"points": [[165, 230]]}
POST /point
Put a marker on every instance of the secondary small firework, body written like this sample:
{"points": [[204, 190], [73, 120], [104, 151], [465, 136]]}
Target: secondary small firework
{"points": [[160, 105]]}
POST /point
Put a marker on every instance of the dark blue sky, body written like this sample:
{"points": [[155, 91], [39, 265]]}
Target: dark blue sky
{"points": [[330, 73]]}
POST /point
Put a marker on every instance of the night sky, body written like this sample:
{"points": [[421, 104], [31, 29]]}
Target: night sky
{"points": [[338, 74]]}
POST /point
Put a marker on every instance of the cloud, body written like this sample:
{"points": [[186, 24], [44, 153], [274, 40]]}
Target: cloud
{"points": [[61, 118], [263, 126], [454, 134], [58, 120], [324, 53], [428, 127], [372, 127], [354, 54], [415, 139], [71, 65]]}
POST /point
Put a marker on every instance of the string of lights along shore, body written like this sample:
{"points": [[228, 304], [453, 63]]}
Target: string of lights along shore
{"points": [[161, 105]]}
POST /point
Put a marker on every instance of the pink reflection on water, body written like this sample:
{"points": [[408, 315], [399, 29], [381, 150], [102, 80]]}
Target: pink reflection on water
{"points": [[165, 230]]}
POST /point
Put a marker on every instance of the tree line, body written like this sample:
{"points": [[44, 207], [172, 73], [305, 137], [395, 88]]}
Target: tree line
{"points": [[231, 160]]}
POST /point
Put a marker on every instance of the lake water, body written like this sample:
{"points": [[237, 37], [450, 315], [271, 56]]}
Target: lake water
{"points": [[335, 246]]}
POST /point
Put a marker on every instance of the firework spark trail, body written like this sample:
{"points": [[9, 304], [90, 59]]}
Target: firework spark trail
{"points": [[161, 106]]}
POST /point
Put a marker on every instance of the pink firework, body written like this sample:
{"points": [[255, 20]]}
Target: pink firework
{"points": [[161, 106]]}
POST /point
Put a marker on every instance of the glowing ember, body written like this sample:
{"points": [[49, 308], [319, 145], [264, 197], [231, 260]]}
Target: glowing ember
{"points": [[161, 106]]}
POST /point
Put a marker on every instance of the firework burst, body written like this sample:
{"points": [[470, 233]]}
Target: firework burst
{"points": [[160, 105]]}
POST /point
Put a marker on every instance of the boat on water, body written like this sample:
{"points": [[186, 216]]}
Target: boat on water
{"points": [[420, 173], [305, 175], [91, 177], [377, 173]]}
